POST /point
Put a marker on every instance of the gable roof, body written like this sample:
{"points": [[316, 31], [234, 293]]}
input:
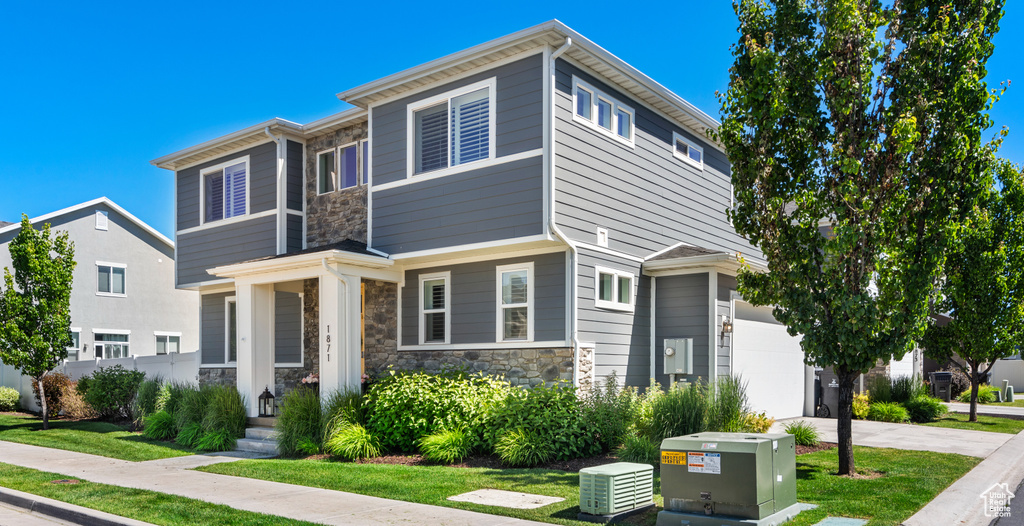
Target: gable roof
{"points": [[8, 227]]}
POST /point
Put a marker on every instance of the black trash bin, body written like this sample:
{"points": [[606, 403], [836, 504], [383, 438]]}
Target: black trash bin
{"points": [[941, 382], [828, 407]]}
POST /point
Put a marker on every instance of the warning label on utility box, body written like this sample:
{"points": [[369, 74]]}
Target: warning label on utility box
{"points": [[676, 458], [704, 463]]}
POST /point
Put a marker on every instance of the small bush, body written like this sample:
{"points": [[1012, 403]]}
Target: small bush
{"points": [[519, 448], [73, 403], [905, 388], [880, 389], [757, 423], [192, 407], [640, 449], [145, 398], [300, 422], [343, 405], [887, 412], [55, 385], [553, 415], [83, 384], [986, 395], [111, 391], [644, 418], [160, 426], [727, 401], [351, 442], [189, 435], [445, 447], [225, 412], [924, 408], [681, 411], [804, 433], [611, 411], [219, 440], [9, 399], [861, 402], [170, 396]]}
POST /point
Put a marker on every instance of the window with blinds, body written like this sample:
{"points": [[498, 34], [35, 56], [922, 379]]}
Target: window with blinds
{"points": [[225, 191], [454, 131], [434, 309], [515, 302]]}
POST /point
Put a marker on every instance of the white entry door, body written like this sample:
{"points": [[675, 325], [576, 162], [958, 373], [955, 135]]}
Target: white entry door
{"points": [[770, 361]]}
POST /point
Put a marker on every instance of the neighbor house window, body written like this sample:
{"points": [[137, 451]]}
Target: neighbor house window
{"points": [[687, 150], [168, 343], [454, 128], [515, 302], [614, 289], [111, 345], [76, 343], [434, 308], [230, 330], [224, 190], [110, 279], [338, 168], [602, 112]]}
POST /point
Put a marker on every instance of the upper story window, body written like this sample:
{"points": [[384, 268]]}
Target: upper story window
{"points": [[110, 279], [614, 289], [687, 150], [225, 190], [602, 112], [515, 302], [434, 308], [341, 167], [452, 129]]}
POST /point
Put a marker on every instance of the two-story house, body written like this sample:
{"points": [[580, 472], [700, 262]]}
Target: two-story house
{"points": [[532, 206]]}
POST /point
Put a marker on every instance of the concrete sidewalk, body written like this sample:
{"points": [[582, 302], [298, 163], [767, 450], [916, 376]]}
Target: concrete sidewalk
{"points": [[986, 409], [272, 498]]}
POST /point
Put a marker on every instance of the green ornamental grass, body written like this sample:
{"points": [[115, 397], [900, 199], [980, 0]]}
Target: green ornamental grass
{"points": [[300, 428], [189, 435], [351, 442], [640, 449], [804, 433], [519, 448], [445, 447], [888, 412], [160, 426]]}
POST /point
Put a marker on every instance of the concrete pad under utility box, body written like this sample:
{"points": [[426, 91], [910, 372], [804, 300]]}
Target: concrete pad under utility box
{"points": [[506, 499]]}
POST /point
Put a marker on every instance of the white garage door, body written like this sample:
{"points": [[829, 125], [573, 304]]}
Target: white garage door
{"points": [[771, 362]]}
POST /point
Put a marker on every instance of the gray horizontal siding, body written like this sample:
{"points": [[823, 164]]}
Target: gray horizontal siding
{"points": [[294, 179], [223, 245], [647, 198], [213, 328], [519, 115], [622, 339], [474, 299], [262, 183], [499, 202], [294, 224], [681, 311], [287, 327]]}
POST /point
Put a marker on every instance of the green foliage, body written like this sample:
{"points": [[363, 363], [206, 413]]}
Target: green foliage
{"points": [[727, 402], [445, 446], [54, 385], [9, 399], [170, 396], [300, 423], [344, 405], [698, 407], [351, 442], [519, 448], [960, 382], [611, 411], [402, 407], [160, 426], [880, 389], [112, 390], [757, 422], [189, 435], [640, 449], [804, 433], [867, 117], [907, 388], [220, 440], [553, 415], [225, 413], [35, 303], [888, 412], [192, 407], [924, 408], [861, 403], [986, 395], [145, 399]]}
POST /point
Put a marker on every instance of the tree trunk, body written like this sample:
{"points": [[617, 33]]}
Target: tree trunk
{"points": [[975, 380], [42, 402], [845, 423]]}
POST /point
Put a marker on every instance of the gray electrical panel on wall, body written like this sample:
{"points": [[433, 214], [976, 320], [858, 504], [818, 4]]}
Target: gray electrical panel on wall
{"points": [[678, 355]]}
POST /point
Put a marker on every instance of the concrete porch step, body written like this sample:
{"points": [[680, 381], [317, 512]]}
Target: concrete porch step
{"points": [[254, 445], [261, 433], [261, 421]]}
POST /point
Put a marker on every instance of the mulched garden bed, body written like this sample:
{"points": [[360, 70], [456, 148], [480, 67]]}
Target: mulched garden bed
{"points": [[492, 462], [800, 450]]}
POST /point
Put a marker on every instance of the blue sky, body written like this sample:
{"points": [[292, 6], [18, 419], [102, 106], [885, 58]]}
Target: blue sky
{"points": [[93, 91]]}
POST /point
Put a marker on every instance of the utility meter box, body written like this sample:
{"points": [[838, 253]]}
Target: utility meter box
{"points": [[746, 476], [614, 488], [678, 356]]}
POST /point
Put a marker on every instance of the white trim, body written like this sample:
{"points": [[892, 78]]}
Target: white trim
{"points": [[602, 237], [604, 250], [469, 246], [123, 332], [546, 170], [362, 177], [666, 249], [486, 346], [109, 264], [228, 221], [169, 161], [500, 306], [614, 304], [334, 174], [712, 325], [227, 332], [459, 168], [75, 329], [490, 84], [369, 182], [490, 256], [677, 138], [614, 107], [166, 333], [447, 277], [88, 204], [221, 167], [294, 213], [654, 326]]}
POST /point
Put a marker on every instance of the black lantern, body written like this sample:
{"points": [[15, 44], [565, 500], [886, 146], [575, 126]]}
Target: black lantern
{"points": [[266, 403]]}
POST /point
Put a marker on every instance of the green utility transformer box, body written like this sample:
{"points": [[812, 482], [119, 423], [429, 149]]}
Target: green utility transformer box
{"points": [[728, 478]]}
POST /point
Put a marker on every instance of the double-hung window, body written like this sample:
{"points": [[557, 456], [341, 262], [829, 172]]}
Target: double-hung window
{"points": [[76, 342], [452, 129], [230, 330], [110, 279], [341, 167], [111, 345], [602, 112], [224, 190], [435, 303], [614, 289], [515, 302], [687, 150], [168, 342]]}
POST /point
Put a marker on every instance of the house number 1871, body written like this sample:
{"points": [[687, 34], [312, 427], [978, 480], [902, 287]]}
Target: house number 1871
{"points": [[328, 351]]}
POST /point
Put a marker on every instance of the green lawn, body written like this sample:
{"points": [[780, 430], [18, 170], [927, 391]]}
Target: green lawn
{"points": [[148, 506], [984, 423], [1015, 403], [96, 438], [911, 479]]}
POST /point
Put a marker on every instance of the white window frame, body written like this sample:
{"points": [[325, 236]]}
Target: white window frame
{"points": [[336, 176], [676, 139], [334, 173], [447, 277], [168, 334], [111, 287], [614, 304], [248, 190], [500, 307], [616, 106], [227, 332], [364, 162], [117, 332], [77, 348], [410, 127]]}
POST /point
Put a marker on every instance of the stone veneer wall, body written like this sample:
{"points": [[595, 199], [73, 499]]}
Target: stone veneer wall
{"points": [[288, 378], [380, 325], [218, 376], [338, 215]]}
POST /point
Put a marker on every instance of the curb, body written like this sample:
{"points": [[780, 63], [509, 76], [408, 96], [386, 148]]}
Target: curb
{"points": [[63, 510]]}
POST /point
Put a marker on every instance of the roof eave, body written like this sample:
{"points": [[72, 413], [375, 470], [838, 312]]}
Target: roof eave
{"points": [[729, 262], [99, 200], [172, 161], [262, 266]]}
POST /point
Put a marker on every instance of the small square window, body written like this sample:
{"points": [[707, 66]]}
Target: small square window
{"points": [[687, 150], [614, 289], [452, 129], [110, 279], [224, 187]]}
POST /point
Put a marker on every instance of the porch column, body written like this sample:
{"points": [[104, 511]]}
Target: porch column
{"points": [[339, 332], [255, 363]]}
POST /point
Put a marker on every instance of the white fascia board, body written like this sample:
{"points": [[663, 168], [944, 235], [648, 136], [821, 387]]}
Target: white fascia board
{"points": [[727, 262], [344, 117], [311, 259], [168, 161], [88, 204]]}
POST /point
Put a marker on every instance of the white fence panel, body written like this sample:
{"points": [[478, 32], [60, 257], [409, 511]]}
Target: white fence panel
{"points": [[1012, 370]]}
